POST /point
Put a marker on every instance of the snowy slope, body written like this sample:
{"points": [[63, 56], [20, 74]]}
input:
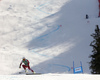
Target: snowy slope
{"points": [[51, 77], [51, 34]]}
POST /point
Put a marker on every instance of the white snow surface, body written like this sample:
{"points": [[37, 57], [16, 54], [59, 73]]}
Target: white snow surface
{"points": [[51, 34]]}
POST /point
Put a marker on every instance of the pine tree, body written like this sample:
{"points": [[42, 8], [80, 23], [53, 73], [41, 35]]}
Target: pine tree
{"points": [[95, 57]]}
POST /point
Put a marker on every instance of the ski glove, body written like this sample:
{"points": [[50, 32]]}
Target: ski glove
{"points": [[19, 66]]}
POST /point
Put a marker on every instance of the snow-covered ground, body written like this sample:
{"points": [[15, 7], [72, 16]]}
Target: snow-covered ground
{"points": [[51, 34], [51, 77]]}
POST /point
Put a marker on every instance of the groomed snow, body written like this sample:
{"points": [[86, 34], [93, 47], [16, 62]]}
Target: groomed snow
{"points": [[51, 34]]}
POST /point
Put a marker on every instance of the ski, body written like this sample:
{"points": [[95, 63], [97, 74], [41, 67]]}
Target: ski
{"points": [[22, 73], [30, 73]]}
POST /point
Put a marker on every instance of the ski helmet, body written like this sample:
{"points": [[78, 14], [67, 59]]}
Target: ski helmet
{"points": [[23, 58]]}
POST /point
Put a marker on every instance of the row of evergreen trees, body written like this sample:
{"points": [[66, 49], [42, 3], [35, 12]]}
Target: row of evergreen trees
{"points": [[95, 57]]}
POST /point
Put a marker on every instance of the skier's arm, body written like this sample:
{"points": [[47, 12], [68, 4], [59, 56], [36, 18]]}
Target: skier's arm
{"points": [[28, 62], [20, 65]]}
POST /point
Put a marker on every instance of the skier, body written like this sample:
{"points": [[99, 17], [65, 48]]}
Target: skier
{"points": [[87, 16], [26, 64]]}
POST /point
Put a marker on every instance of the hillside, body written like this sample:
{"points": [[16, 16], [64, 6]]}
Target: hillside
{"points": [[51, 34]]}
